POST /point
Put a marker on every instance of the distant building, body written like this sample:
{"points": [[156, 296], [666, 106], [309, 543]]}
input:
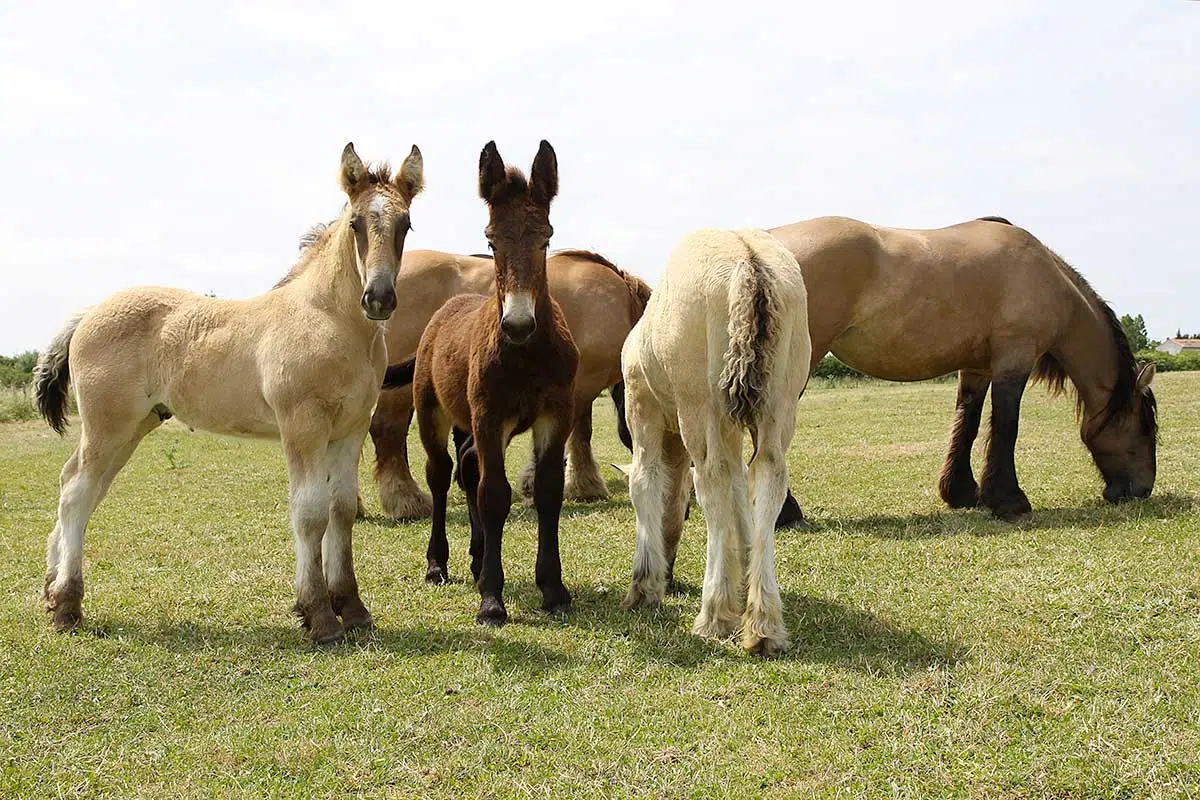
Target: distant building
{"points": [[1177, 346]]}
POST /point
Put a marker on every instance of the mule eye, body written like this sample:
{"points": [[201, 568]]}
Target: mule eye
{"points": [[355, 225], [546, 245], [491, 247]]}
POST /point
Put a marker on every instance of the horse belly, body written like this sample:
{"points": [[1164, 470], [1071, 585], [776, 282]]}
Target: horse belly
{"points": [[896, 355]]}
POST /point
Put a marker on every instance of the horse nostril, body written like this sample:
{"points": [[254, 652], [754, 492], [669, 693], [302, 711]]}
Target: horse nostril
{"points": [[518, 330]]}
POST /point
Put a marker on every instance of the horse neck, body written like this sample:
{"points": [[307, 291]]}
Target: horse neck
{"points": [[332, 282], [1089, 356]]}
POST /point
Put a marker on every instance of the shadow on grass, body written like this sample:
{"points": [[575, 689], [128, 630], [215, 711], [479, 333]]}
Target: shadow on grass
{"points": [[507, 653], [979, 522]]}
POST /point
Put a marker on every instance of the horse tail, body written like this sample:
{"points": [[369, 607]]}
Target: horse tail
{"points": [[52, 377], [617, 392], [639, 293], [400, 374], [753, 340]]}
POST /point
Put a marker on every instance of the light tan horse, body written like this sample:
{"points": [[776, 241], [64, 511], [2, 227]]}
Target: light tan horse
{"points": [[722, 349], [302, 363], [601, 303], [989, 300]]}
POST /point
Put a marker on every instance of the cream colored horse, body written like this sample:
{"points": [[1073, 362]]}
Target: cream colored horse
{"points": [[722, 348], [302, 363]]}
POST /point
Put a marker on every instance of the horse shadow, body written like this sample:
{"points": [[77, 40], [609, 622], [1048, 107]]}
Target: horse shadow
{"points": [[979, 522]]}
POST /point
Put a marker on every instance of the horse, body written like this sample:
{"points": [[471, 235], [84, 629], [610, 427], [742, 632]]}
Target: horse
{"points": [[301, 363], [600, 302], [495, 366], [722, 349], [986, 299]]}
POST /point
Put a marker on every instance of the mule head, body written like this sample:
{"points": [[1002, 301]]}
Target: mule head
{"points": [[518, 234], [1123, 441], [379, 220]]}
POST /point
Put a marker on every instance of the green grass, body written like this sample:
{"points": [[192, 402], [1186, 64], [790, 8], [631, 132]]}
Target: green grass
{"points": [[16, 404], [935, 653]]}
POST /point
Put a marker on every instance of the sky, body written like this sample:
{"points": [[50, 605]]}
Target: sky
{"points": [[191, 145]]}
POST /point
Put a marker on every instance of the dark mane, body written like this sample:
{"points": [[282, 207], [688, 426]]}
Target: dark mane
{"points": [[639, 290], [379, 173], [589, 255], [1051, 372], [1001, 220], [515, 186]]}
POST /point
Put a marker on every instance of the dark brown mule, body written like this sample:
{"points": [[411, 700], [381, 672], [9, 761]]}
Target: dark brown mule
{"points": [[497, 366], [989, 300]]}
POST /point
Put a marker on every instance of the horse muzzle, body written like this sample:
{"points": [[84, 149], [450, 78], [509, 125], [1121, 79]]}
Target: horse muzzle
{"points": [[378, 302], [517, 319], [1125, 491]]}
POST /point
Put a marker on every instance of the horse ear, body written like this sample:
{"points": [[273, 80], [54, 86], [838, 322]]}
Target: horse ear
{"points": [[1146, 375], [410, 180], [353, 172], [492, 176], [543, 178]]}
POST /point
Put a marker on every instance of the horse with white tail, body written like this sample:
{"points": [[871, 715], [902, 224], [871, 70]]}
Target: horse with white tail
{"points": [[302, 363], [722, 348]]}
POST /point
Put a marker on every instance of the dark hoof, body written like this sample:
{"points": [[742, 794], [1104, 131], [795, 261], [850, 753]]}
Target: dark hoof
{"points": [[492, 612], [67, 620], [557, 602], [964, 494], [331, 638], [1011, 508], [437, 575], [790, 515], [355, 616]]}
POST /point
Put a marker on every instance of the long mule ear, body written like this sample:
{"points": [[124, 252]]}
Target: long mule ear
{"points": [[543, 178], [410, 180], [492, 177], [353, 173]]}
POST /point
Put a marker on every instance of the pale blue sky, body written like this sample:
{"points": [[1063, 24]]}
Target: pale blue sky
{"points": [[191, 146]]}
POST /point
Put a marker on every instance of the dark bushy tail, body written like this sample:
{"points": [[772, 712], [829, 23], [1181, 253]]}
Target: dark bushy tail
{"points": [[753, 338], [617, 391], [52, 377], [400, 374]]}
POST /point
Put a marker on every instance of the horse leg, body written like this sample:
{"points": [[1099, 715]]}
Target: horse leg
{"points": [[998, 488], [494, 500], [435, 426], [790, 514], [722, 493], [583, 482], [85, 480], [763, 631], [677, 494], [647, 492], [549, 438], [468, 467], [957, 484], [399, 494], [337, 550], [305, 443]]}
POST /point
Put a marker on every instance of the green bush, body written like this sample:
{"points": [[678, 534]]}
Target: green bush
{"points": [[831, 367], [1165, 362], [16, 405]]}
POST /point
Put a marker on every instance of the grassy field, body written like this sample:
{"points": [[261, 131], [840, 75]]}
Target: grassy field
{"points": [[935, 653]]}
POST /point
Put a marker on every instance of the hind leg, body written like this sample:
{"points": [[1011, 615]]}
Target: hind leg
{"points": [[957, 483], [583, 480], [763, 631], [715, 443], [337, 549], [399, 494], [85, 480], [647, 491]]}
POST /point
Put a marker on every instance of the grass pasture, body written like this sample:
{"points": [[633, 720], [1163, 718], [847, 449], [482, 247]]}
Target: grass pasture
{"points": [[935, 653]]}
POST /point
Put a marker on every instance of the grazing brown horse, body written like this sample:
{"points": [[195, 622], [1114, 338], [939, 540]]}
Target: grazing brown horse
{"points": [[497, 365], [600, 302], [301, 363], [988, 299]]}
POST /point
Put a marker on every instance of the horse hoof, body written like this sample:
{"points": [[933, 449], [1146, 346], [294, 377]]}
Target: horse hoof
{"points": [[767, 648], [639, 597], [790, 515], [1012, 509], [557, 603], [437, 576], [492, 613], [331, 639], [965, 495], [67, 621], [358, 621]]}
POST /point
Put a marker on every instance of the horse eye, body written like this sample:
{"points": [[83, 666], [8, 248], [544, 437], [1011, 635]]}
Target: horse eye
{"points": [[355, 225], [491, 247]]}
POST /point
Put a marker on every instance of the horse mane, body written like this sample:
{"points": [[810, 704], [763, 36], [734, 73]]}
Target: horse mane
{"points": [[1050, 371]]}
